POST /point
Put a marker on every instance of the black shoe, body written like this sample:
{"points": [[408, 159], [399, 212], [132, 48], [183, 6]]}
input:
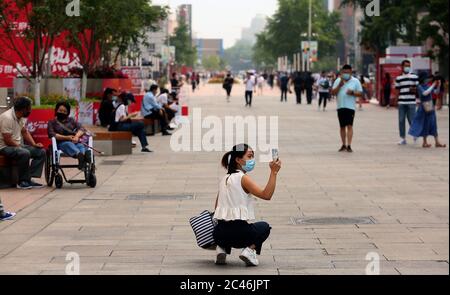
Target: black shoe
{"points": [[146, 150], [343, 149], [165, 133], [170, 128], [25, 185], [35, 185], [349, 149]]}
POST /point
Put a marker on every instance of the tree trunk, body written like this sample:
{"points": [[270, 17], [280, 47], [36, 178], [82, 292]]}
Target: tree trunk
{"points": [[84, 84], [37, 90]]}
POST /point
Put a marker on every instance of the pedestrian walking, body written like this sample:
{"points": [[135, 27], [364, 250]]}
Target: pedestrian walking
{"points": [[347, 89], [387, 90], [228, 85], [235, 206], [250, 85], [406, 85], [323, 86], [425, 122], [261, 81], [284, 86], [298, 87], [309, 83]]}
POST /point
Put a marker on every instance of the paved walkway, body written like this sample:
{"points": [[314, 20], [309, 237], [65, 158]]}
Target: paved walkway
{"points": [[404, 191]]}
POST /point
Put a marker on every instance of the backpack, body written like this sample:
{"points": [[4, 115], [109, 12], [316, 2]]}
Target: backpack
{"points": [[325, 84], [113, 125]]}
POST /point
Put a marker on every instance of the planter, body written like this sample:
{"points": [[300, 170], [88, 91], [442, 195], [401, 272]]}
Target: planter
{"points": [[37, 125], [68, 87]]}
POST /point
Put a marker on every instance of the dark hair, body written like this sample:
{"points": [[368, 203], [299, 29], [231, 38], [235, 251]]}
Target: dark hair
{"points": [[127, 97], [405, 62], [164, 91], [62, 103], [347, 67], [108, 91], [153, 87], [229, 159], [22, 104]]}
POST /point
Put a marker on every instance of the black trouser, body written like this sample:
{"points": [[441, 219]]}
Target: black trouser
{"points": [[228, 90], [298, 94], [248, 97], [137, 128], [387, 97], [22, 156], [170, 113], [284, 92], [323, 96], [309, 94], [155, 115], [240, 234]]}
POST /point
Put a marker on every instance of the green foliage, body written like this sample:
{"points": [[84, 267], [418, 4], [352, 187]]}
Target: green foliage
{"points": [[212, 63], [185, 53], [108, 28], [289, 26], [239, 57]]}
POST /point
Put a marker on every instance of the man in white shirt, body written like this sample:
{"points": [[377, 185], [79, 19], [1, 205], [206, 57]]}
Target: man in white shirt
{"points": [[250, 83]]}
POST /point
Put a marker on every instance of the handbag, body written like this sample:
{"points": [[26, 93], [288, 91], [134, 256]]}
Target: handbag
{"points": [[428, 106], [203, 226], [84, 139]]}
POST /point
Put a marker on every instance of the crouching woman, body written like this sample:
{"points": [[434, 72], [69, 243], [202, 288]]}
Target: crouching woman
{"points": [[235, 207]]}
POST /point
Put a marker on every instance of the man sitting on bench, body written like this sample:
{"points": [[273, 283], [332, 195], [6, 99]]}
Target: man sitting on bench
{"points": [[152, 110], [13, 132]]}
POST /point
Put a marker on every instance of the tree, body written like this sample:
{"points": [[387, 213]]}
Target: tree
{"points": [[45, 20], [185, 53], [402, 20], [212, 63], [239, 57], [106, 29], [289, 26]]}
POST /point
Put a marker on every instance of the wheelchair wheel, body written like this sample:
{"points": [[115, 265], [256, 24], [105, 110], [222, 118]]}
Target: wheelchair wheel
{"points": [[59, 181], [49, 169], [92, 180]]}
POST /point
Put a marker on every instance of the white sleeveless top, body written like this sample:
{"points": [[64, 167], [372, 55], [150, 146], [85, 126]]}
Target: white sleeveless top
{"points": [[234, 203]]}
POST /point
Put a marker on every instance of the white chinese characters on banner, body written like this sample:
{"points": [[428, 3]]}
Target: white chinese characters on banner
{"points": [[63, 60]]}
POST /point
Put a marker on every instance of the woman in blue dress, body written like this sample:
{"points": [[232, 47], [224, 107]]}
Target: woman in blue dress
{"points": [[425, 123]]}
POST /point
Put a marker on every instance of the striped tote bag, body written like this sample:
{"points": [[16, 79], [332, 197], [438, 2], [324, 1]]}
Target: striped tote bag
{"points": [[203, 227]]}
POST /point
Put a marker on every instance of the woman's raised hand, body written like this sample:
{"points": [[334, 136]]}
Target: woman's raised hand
{"points": [[275, 166]]}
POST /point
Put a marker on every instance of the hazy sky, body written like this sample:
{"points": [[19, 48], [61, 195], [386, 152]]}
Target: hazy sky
{"points": [[223, 18]]}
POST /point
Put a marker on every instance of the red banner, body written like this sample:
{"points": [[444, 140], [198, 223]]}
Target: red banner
{"points": [[16, 51]]}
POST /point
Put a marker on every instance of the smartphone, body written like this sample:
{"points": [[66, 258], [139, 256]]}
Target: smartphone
{"points": [[275, 155]]}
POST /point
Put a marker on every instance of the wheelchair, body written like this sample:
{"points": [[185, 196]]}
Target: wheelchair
{"points": [[54, 171]]}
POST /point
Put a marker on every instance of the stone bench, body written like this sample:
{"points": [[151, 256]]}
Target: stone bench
{"points": [[9, 175], [112, 143], [151, 127]]}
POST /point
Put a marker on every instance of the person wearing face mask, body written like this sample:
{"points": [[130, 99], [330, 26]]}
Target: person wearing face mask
{"points": [[16, 143], [425, 122], [406, 85], [107, 106], [235, 207], [68, 134], [347, 89]]}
